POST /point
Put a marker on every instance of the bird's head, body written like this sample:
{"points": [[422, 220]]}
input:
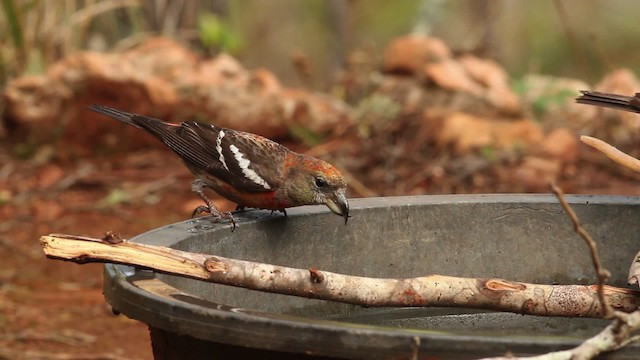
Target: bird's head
{"points": [[312, 181]]}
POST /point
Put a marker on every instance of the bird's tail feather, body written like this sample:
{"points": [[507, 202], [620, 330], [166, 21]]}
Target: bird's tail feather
{"points": [[123, 116], [614, 101]]}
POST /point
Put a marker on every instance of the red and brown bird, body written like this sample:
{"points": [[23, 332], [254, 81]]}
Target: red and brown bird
{"points": [[245, 168]]}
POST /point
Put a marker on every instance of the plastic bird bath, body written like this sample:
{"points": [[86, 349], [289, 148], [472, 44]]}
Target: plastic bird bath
{"points": [[517, 237]]}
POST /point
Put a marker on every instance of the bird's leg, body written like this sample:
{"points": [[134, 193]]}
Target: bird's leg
{"points": [[284, 211], [197, 187]]}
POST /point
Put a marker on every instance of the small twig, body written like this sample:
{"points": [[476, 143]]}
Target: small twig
{"points": [[617, 334], [602, 273], [606, 340], [426, 291], [415, 348], [612, 153]]}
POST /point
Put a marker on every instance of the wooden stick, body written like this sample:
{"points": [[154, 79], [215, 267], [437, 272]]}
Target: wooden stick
{"points": [[432, 290], [612, 153], [602, 274], [616, 335], [605, 340]]}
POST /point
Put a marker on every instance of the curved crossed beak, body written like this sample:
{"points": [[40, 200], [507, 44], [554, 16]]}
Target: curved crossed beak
{"points": [[338, 204]]}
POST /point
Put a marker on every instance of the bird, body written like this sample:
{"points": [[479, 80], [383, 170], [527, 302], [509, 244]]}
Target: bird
{"points": [[620, 102], [248, 169]]}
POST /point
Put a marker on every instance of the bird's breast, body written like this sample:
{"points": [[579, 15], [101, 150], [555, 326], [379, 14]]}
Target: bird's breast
{"points": [[261, 200]]}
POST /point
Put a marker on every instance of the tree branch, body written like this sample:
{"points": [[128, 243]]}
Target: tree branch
{"points": [[602, 274], [612, 153], [617, 334], [432, 290]]}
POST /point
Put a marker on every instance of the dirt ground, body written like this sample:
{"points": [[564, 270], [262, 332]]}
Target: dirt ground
{"points": [[52, 309], [55, 310]]}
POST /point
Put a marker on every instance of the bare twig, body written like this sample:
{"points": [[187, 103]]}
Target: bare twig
{"points": [[628, 162], [617, 334], [601, 273], [595, 345], [612, 153], [433, 290]]}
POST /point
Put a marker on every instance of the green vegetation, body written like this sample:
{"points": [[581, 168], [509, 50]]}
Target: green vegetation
{"points": [[216, 33]]}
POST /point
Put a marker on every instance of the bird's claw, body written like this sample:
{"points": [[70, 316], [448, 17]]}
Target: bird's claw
{"points": [[219, 215], [227, 216], [284, 211], [199, 210]]}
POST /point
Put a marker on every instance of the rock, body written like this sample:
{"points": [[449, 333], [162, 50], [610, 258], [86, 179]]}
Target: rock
{"points": [[465, 132], [623, 82], [265, 82], [536, 173], [163, 79], [33, 105], [561, 144], [495, 82], [485, 71], [481, 78], [450, 75], [620, 81], [504, 99], [408, 54]]}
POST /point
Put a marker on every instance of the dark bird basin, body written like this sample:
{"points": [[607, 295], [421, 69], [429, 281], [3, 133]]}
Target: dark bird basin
{"points": [[518, 237]]}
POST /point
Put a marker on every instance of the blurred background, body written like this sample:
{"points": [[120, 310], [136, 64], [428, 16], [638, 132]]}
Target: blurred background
{"points": [[406, 97], [565, 37]]}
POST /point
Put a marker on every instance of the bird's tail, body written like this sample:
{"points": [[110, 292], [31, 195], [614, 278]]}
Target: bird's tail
{"points": [[620, 102], [123, 116]]}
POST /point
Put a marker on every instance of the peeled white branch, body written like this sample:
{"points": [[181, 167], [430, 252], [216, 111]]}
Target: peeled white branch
{"points": [[426, 291], [612, 153]]}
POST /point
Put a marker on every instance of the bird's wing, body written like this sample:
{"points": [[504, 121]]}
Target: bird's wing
{"points": [[246, 161]]}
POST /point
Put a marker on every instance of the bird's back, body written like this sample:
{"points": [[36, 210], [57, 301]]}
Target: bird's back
{"points": [[246, 161]]}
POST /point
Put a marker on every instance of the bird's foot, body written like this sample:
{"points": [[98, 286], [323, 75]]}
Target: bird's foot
{"points": [[217, 214], [284, 211], [226, 215], [197, 187], [199, 210]]}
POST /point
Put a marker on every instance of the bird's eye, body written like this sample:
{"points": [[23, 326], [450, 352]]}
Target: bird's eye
{"points": [[320, 182]]}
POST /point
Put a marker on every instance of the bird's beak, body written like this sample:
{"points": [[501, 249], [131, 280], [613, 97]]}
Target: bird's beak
{"points": [[339, 205]]}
